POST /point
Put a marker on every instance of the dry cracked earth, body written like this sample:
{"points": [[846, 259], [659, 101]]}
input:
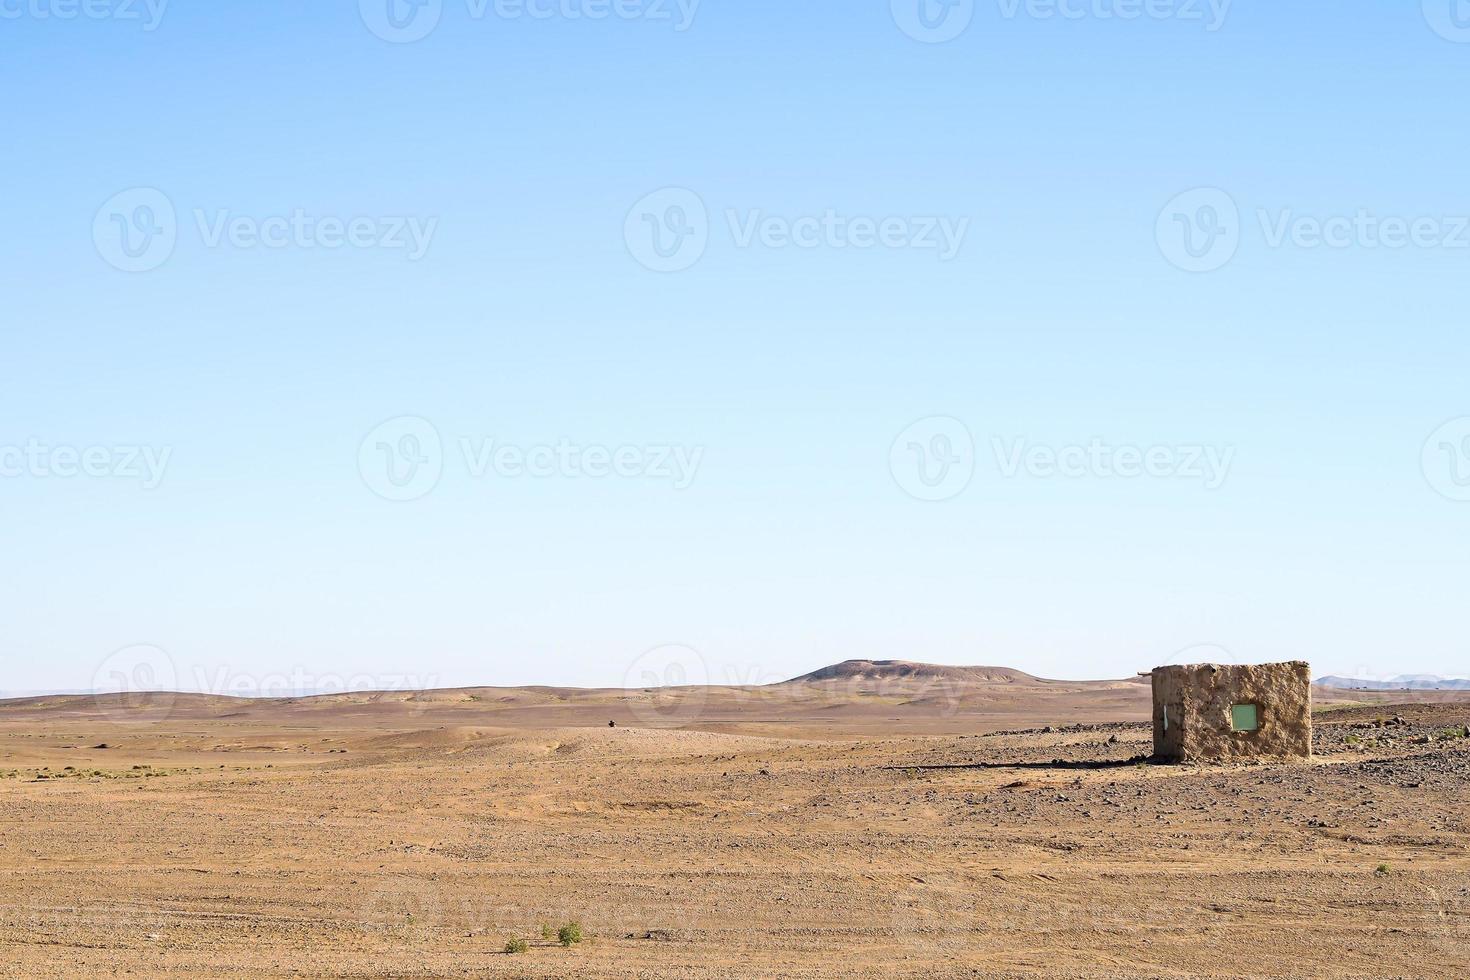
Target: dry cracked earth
{"points": [[211, 838]]}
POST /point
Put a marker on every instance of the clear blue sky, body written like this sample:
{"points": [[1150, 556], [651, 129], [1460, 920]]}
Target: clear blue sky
{"points": [[525, 143]]}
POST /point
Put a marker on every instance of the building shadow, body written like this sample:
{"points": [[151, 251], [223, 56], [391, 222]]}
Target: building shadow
{"points": [[1138, 760]]}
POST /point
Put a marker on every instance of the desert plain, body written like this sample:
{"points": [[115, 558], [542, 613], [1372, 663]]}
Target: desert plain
{"points": [[869, 820]]}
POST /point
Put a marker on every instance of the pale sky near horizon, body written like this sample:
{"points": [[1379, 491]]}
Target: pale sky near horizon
{"points": [[581, 342]]}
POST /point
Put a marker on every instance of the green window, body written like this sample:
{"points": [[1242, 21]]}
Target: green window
{"points": [[1244, 718]]}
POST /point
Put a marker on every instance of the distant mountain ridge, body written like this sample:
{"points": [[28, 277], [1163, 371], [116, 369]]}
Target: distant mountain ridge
{"points": [[905, 670], [1403, 682]]}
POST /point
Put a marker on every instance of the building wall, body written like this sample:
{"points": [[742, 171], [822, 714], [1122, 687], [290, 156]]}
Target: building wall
{"points": [[1202, 696], [1168, 713]]}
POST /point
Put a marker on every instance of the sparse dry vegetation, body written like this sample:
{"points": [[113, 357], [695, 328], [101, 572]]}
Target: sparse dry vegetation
{"points": [[834, 847]]}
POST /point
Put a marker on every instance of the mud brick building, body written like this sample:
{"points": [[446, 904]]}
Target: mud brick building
{"points": [[1219, 712]]}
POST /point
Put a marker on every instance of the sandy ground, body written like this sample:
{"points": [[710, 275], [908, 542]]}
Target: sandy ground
{"points": [[815, 832]]}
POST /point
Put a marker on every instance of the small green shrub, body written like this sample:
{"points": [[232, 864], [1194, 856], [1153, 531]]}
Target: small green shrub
{"points": [[547, 932], [569, 934], [516, 946], [1382, 869]]}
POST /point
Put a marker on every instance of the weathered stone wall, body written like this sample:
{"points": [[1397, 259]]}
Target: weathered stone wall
{"points": [[1199, 698], [1168, 713]]}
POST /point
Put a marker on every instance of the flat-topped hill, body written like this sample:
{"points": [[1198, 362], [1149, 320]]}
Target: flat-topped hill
{"points": [[891, 670]]}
